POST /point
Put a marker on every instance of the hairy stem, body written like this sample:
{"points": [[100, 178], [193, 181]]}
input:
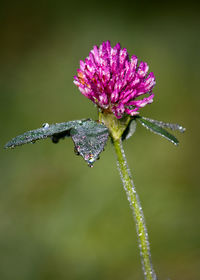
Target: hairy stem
{"points": [[137, 211]]}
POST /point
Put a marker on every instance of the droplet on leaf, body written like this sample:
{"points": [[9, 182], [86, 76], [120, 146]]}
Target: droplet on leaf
{"points": [[45, 125]]}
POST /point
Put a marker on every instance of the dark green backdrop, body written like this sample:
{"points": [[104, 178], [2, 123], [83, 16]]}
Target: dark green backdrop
{"points": [[60, 219]]}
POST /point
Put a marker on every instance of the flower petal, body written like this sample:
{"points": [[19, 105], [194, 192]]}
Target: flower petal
{"points": [[112, 81]]}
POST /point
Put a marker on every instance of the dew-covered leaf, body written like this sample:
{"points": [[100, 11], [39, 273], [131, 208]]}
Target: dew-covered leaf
{"points": [[172, 126], [154, 127], [54, 130], [89, 140], [89, 137]]}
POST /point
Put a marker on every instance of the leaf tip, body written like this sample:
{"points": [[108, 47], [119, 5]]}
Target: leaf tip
{"points": [[9, 146]]}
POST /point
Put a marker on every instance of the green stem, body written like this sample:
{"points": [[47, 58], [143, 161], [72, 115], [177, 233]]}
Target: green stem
{"points": [[137, 210]]}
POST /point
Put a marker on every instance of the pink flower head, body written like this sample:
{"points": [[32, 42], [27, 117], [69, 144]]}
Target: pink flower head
{"points": [[114, 82]]}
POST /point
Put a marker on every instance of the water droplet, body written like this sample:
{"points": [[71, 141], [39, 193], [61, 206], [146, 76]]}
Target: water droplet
{"points": [[181, 128], [76, 151], [55, 139], [45, 125], [90, 159]]}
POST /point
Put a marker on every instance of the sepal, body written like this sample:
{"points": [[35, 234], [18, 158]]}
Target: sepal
{"points": [[130, 130]]}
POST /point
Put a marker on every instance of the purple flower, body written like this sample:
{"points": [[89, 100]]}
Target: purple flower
{"points": [[114, 82]]}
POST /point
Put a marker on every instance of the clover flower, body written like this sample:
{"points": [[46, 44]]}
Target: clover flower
{"points": [[114, 82]]}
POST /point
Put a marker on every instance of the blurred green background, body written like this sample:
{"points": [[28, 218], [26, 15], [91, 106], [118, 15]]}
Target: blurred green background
{"points": [[60, 219]]}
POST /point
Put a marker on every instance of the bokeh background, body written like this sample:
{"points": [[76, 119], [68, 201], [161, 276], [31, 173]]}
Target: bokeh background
{"points": [[60, 219]]}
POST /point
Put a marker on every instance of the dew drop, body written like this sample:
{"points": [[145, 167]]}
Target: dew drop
{"points": [[181, 129], [45, 125], [90, 159], [76, 151]]}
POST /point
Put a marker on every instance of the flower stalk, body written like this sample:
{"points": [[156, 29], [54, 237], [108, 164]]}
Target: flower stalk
{"points": [[137, 211]]}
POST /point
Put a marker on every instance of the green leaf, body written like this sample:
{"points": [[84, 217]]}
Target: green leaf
{"points": [[89, 137], [154, 127], [89, 140], [54, 130], [172, 126]]}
